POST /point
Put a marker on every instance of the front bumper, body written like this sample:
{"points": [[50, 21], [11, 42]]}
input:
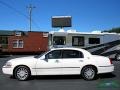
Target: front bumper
{"points": [[8, 71]]}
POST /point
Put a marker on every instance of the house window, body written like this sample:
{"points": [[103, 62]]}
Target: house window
{"points": [[17, 33], [18, 44], [4, 42], [94, 40], [59, 40], [45, 34], [77, 41]]}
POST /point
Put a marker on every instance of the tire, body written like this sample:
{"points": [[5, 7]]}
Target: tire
{"points": [[117, 57], [88, 73], [22, 73]]}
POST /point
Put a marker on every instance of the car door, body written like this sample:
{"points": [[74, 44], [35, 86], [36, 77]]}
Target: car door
{"points": [[72, 61], [51, 65]]}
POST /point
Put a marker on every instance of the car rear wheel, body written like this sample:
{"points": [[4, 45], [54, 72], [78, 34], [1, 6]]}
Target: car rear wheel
{"points": [[22, 73], [88, 73]]}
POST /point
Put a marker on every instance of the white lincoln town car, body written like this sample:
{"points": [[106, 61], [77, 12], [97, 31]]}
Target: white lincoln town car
{"points": [[59, 61]]}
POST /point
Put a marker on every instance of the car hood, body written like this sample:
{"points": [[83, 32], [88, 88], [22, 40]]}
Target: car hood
{"points": [[23, 59]]}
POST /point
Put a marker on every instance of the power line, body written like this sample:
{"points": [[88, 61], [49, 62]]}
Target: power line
{"points": [[12, 8], [20, 13]]}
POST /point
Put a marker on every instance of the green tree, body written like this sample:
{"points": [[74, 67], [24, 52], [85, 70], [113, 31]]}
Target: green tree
{"points": [[113, 30]]}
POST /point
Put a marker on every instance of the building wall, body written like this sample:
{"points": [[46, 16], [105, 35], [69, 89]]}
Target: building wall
{"points": [[32, 42]]}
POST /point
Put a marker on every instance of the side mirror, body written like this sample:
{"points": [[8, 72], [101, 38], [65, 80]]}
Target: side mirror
{"points": [[46, 58]]}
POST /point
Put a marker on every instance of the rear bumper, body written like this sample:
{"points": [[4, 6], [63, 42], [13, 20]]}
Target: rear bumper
{"points": [[105, 69]]}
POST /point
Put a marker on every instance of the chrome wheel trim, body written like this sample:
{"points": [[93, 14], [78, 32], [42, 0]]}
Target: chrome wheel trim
{"points": [[22, 73], [89, 73]]}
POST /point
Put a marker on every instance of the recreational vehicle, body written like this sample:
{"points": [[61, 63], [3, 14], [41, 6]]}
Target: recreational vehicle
{"points": [[98, 43]]}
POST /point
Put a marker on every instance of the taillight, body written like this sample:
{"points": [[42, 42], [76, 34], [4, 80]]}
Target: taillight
{"points": [[110, 61]]}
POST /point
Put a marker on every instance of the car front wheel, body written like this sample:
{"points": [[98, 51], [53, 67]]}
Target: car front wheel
{"points": [[22, 73], [88, 73]]}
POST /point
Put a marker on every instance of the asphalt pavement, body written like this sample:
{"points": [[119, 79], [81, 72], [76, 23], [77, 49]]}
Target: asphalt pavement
{"points": [[72, 82]]}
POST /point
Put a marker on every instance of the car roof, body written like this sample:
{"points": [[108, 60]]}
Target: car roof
{"points": [[65, 48]]}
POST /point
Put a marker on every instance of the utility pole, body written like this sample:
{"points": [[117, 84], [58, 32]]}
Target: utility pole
{"points": [[30, 7]]}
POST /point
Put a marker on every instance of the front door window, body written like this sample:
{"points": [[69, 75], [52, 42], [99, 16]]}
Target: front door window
{"points": [[56, 54]]}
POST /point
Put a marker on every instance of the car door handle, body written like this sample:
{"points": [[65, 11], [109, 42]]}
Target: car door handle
{"points": [[80, 60], [57, 61]]}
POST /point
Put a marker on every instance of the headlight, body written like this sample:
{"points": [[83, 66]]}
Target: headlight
{"points": [[8, 65]]}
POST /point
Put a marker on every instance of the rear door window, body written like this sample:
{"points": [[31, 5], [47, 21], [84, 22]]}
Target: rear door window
{"points": [[72, 54]]}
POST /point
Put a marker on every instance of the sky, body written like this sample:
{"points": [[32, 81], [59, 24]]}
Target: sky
{"points": [[87, 15]]}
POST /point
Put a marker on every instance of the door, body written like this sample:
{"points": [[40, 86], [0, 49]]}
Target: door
{"points": [[51, 65], [72, 60]]}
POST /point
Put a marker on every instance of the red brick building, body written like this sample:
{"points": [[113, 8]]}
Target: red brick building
{"points": [[26, 42]]}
